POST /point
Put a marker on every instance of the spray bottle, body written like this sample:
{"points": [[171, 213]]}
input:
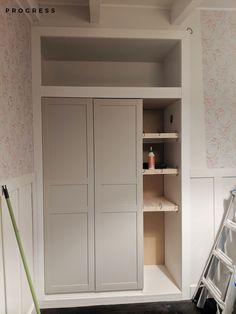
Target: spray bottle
{"points": [[151, 159]]}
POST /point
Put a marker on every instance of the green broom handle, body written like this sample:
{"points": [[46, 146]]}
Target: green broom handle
{"points": [[13, 220]]}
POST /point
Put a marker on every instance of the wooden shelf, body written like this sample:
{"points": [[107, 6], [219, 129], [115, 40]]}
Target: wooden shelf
{"points": [[160, 135], [159, 204], [173, 171]]}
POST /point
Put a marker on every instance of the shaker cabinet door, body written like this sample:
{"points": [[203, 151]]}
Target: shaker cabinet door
{"points": [[68, 194], [118, 194]]}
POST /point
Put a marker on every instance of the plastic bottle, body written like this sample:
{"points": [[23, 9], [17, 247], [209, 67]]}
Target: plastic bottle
{"points": [[151, 159]]}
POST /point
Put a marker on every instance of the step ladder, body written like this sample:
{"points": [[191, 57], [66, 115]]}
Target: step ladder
{"points": [[218, 280]]}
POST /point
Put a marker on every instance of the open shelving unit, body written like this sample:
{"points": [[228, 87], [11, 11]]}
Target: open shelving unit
{"points": [[162, 186]]}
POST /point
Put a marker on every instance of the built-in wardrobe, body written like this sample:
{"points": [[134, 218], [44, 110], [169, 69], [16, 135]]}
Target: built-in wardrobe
{"points": [[108, 223]]}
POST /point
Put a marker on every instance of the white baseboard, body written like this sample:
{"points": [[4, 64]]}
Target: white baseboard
{"points": [[31, 309], [192, 289], [97, 299]]}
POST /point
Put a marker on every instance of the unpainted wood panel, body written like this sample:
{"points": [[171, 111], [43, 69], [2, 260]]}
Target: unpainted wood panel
{"points": [[118, 197], [152, 186], [68, 251], [118, 249], [68, 198], [153, 121], [154, 241], [66, 142], [172, 117]]}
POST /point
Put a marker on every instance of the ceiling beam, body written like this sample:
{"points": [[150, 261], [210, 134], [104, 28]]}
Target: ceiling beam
{"points": [[181, 9], [94, 9], [30, 4]]}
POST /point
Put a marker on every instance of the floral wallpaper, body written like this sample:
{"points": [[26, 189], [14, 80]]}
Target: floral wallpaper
{"points": [[16, 133], [219, 75]]}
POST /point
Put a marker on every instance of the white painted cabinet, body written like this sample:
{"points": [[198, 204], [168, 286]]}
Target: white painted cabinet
{"points": [[68, 195], [70, 203]]}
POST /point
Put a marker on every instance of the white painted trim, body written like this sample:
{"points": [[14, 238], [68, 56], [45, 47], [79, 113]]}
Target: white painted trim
{"points": [[15, 183], [216, 9], [111, 92], [94, 10], [182, 9], [135, 6], [212, 172], [192, 289], [202, 8], [108, 33], [2, 275], [109, 298], [38, 190], [185, 165], [31, 309]]}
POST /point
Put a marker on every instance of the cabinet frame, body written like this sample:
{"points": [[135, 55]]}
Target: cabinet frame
{"points": [[112, 92]]}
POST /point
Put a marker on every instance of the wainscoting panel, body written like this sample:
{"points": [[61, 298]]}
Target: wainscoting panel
{"points": [[16, 292], [210, 194]]}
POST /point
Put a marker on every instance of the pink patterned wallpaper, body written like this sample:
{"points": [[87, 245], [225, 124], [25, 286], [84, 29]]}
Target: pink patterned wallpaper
{"points": [[16, 133], [219, 80]]}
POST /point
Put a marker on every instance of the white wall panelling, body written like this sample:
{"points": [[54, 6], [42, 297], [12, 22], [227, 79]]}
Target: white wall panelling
{"points": [[210, 193], [17, 294]]}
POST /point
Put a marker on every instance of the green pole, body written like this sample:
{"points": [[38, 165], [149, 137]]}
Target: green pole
{"points": [[20, 246]]}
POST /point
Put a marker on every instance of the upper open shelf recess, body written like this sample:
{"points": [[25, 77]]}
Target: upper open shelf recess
{"points": [[111, 62]]}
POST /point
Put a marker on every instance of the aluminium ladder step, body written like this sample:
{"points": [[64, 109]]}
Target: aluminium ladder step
{"points": [[231, 225], [214, 291], [224, 259]]}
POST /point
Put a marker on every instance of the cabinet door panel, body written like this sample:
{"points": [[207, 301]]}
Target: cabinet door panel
{"points": [[118, 194], [68, 194]]}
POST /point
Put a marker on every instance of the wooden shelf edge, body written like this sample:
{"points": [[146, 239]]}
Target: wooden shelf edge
{"points": [[160, 204], [172, 171], [160, 135]]}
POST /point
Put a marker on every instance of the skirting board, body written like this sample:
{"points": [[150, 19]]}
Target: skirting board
{"points": [[32, 310], [192, 289], [69, 302]]}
